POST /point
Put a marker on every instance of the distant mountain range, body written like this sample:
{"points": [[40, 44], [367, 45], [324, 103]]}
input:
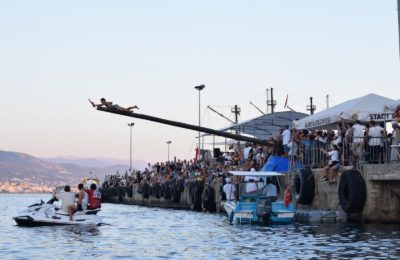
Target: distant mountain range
{"points": [[21, 167]]}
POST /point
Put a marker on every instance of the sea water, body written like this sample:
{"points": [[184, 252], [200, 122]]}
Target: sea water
{"points": [[150, 233]]}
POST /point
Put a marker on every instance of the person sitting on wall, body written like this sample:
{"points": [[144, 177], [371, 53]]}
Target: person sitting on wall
{"points": [[110, 105], [333, 166]]}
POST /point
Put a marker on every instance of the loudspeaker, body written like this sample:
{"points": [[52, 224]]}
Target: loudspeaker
{"points": [[217, 152]]}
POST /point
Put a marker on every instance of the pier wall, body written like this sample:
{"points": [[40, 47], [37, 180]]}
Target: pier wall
{"points": [[138, 199], [382, 183], [382, 189], [191, 197]]}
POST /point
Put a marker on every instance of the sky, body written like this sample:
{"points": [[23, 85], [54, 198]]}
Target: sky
{"points": [[54, 55]]}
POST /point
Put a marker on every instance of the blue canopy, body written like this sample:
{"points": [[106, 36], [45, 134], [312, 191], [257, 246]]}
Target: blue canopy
{"points": [[279, 164]]}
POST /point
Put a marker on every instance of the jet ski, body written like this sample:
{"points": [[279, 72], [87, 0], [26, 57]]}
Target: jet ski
{"points": [[48, 214]]}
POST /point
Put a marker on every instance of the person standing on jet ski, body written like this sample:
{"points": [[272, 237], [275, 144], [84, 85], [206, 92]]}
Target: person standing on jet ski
{"points": [[82, 198], [94, 197], [68, 200]]}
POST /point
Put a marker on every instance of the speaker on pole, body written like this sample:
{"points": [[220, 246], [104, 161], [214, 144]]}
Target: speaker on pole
{"points": [[217, 152]]}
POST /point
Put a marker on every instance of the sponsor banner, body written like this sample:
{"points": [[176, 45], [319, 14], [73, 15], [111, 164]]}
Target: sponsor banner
{"points": [[318, 122], [381, 116]]}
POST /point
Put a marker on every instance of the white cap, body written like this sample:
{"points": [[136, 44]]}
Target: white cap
{"points": [[228, 179]]}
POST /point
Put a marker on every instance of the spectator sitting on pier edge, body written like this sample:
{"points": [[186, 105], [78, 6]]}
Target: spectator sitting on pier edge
{"points": [[334, 165], [110, 105]]}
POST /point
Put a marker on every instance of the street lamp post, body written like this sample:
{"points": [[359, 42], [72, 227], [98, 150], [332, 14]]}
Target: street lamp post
{"points": [[199, 88], [130, 146], [168, 142]]}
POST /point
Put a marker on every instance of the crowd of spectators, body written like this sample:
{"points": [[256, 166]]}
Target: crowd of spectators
{"points": [[353, 142]]}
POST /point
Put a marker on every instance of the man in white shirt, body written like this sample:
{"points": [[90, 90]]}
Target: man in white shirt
{"points": [[286, 139], [246, 151], [229, 189], [358, 139], [68, 200], [375, 134]]}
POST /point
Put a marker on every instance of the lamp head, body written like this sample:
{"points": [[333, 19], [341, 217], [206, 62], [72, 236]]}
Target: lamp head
{"points": [[200, 87]]}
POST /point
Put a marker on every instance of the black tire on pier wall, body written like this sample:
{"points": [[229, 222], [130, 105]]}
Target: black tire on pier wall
{"points": [[208, 199], [181, 185], [352, 191], [192, 198], [195, 196], [130, 191], [104, 194], [114, 191], [222, 193], [176, 193], [157, 190], [167, 190], [304, 183], [146, 190], [121, 194]]}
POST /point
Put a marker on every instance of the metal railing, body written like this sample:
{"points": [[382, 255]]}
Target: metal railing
{"points": [[352, 151]]}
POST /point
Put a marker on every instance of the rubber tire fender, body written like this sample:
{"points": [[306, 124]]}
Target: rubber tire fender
{"points": [[207, 199], [352, 191], [193, 196], [146, 190], [176, 193], [121, 194], [304, 186], [157, 190], [130, 191], [167, 190]]}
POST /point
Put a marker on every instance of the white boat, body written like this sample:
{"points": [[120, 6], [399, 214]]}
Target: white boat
{"points": [[47, 214], [253, 206]]}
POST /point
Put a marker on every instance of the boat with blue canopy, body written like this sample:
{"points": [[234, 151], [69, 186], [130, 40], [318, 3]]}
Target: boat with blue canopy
{"points": [[253, 205]]}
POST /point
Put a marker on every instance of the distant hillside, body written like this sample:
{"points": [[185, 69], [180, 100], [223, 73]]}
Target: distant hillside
{"points": [[96, 162], [21, 167]]}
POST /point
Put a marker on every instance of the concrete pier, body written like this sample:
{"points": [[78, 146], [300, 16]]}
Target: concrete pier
{"points": [[382, 193]]}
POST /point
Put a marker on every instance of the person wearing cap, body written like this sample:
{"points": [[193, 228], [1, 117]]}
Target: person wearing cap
{"points": [[229, 189]]}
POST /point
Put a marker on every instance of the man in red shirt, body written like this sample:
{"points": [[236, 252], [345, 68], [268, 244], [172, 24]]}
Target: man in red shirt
{"points": [[94, 197]]}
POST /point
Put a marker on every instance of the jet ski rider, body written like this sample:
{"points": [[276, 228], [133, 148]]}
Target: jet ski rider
{"points": [[68, 200], [94, 197]]}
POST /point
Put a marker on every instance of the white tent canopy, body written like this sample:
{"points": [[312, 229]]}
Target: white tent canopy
{"points": [[393, 105], [365, 108]]}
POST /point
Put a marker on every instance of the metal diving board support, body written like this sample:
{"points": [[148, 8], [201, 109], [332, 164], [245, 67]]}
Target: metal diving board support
{"points": [[187, 126]]}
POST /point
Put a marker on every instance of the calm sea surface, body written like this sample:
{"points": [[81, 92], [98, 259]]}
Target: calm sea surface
{"points": [[148, 233]]}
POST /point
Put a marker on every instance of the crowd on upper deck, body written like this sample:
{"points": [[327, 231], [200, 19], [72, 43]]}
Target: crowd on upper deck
{"points": [[347, 145]]}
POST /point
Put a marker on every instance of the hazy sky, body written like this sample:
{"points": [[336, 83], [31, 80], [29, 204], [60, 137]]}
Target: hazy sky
{"points": [[56, 54]]}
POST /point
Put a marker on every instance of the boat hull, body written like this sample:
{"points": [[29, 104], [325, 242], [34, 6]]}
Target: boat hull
{"points": [[245, 213], [44, 214]]}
